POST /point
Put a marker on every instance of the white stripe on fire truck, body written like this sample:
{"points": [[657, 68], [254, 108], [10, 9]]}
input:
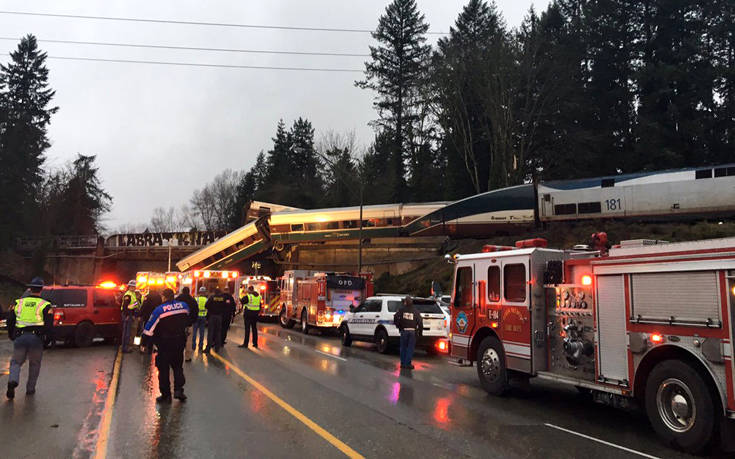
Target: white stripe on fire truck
{"points": [[516, 349], [460, 340]]}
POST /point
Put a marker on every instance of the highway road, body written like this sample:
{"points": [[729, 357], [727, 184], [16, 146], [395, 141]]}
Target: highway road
{"points": [[302, 396]]}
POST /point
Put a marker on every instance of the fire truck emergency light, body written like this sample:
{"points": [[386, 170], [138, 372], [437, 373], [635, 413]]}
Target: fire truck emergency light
{"points": [[586, 279], [142, 279], [207, 274], [108, 284], [656, 338]]}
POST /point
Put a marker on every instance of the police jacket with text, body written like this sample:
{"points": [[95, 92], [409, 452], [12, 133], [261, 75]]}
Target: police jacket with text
{"points": [[407, 318], [218, 304], [168, 322]]}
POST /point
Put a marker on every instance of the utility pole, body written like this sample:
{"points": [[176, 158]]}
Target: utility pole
{"points": [[359, 243]]}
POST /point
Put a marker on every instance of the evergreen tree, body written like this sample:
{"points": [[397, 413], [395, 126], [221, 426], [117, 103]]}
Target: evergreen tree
{"points": [[305, 174], [277, 183], [245, 192], [25, 114], [396, 73], [83, 200]]}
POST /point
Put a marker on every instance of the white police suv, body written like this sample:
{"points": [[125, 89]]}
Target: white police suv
{"points": [[372, 321]]}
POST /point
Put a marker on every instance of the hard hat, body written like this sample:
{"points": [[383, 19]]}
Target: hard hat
{"points": [[131, 283], [36, 282], [202, 289]]}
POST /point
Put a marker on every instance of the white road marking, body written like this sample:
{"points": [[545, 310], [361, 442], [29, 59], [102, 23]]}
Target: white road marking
{"points": [[331, 355], [601, 441]]}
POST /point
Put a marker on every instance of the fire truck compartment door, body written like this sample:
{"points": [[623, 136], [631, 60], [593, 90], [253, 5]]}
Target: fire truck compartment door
{"points": [[611, 333], [464, 310], [515, 322]]}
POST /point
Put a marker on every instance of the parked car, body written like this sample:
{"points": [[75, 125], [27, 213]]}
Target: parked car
{"points": [[372, 321], [83, 313]]}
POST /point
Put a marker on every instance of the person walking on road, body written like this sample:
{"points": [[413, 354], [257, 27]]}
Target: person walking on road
{"points": [[216, 307], [201, 323], [193, 315], [408, 321], [128, 309], [28, 322], [229, 314], [252, 302], [166, 328]]}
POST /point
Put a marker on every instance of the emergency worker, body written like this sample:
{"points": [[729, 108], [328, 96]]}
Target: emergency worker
{"points": [[166, 328], [229, 314], [193, 314], [216, 307], [408, 321], [129, 309], [252, 302], [201, 322], [28, 322]]}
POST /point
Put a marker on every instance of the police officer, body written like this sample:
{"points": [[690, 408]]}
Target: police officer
{"points": [[250, 315], [28, 321], [408, 321], [229, 314], [129, 308], [201, 323], [216, 308], [167, 330]]}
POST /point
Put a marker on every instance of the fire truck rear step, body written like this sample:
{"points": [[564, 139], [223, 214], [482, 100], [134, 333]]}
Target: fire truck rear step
{"points": [[578, 382]]}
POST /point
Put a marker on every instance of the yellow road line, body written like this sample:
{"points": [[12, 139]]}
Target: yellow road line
{"points": [[336, 442], [104, 431]]}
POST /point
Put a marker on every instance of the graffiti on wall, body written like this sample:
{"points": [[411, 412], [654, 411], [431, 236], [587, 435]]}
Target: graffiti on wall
{"points": [[191, 238]]}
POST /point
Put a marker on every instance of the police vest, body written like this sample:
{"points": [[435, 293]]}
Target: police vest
{"points": [[253, 302], [133, 300], [202, 303], [29, 312]]}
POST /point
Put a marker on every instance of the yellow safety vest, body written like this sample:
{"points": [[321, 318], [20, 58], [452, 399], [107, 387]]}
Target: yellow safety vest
{"points": [[29, 312], [202, 302], [133, 300], [253, 302]]}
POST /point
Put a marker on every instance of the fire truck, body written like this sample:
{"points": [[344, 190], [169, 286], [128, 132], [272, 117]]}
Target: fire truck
{"points": [[320, 299], [147, 280], [267, 288], [649, 323]]}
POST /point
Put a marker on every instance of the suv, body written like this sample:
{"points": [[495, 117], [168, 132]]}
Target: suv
{"points": [[372, 321], [82, 313]]}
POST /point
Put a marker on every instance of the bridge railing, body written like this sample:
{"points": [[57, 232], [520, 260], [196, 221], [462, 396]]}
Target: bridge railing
{"points": [[57, 242]]}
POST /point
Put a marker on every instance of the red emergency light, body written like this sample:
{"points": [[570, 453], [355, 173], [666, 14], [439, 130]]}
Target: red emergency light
{"points": [[529, 243], [442, 346], [586, 279], [107, 285], [487, 248]]}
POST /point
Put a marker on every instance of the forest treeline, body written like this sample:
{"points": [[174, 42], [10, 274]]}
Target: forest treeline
{"points": [[583, 88]]}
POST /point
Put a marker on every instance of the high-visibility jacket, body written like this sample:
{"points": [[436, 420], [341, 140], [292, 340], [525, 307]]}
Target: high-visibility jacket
{"points": [[29, 312], [202, 303], [253, 302], [133, 304]]}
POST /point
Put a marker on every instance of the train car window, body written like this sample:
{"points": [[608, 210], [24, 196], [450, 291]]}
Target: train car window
{"points": [[463, 288], [565, 209], [514, 286], [298, 227], [493, 283], [368, 223], [351, 224], [589, 207], [607, 183], [703, 174], [333, 225], [721, 172], [730, 171]]}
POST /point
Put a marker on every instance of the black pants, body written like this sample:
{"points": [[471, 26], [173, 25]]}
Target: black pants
{"points": [[170, 357], [214, 335], [226, 319], [251, 323]]}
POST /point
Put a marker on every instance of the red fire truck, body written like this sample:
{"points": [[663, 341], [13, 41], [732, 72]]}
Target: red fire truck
{"points": [[267, 288], [320, 299], [649, 321]]}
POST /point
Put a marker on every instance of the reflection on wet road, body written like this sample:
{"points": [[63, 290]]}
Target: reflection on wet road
{"points": [[356, 395]]}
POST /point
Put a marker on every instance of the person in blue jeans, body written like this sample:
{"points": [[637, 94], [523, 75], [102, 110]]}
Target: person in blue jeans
{"points": [[408, 321], [201, 323]]}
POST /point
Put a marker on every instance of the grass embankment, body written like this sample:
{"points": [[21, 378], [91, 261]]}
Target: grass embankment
{"points": [[418, 282]]}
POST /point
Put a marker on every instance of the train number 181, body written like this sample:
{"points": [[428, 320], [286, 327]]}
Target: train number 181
{"points": [[614, 204]]}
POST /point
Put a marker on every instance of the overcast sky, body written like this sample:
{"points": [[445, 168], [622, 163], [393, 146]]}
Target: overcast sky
{"points": [[159, 131]]}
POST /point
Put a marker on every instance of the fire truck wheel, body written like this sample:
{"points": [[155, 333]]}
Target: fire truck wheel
{"points": [[285, 321], [344, 334], [491, 366], [381, 341], [680, 406], [83, 334], [304, 323]]}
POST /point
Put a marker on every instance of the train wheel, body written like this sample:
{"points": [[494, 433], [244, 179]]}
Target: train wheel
{"points": [[491, 366], [304, 323], [680, 406]]}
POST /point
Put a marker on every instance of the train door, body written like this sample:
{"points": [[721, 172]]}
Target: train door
{"points": [[515, 322], [464, 310]]}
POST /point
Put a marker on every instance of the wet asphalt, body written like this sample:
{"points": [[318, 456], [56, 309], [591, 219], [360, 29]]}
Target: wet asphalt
{"points": [[359, 396]]}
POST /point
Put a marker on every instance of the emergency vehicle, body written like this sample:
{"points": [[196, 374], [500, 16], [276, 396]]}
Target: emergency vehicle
{"points": [[145, 280], [372, 321], [648, 321], [320, 299], [211, 279], [267, 288]]}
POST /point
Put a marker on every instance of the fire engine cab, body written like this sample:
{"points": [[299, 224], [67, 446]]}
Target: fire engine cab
{"points": [[319, 299], [650, 321]]}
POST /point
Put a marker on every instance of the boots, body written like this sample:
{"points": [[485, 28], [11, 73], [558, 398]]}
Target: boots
{"points": [[179, 395]]}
